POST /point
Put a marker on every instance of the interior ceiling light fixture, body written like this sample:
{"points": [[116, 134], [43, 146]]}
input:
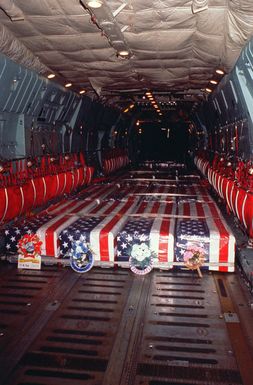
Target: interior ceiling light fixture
{"points": [[213, 82], [82, 92], [208, 90], [95, 3], [219, 71], [51, 76], [68, 85], [124, 53], [105, 20]]}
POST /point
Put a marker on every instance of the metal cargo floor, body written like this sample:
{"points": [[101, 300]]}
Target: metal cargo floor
{"points": [[111, 327]]}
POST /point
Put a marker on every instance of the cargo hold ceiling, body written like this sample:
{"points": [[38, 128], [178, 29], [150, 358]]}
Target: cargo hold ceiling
{"points": [[174, 46]]}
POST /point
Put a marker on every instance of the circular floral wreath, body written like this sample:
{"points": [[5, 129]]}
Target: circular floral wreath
{"points": [[141, 260], [29, 246], [194, 257], [81, 257]]}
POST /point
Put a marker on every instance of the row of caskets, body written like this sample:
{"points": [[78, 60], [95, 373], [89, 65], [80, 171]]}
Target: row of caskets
{"points": [[135, 220]]}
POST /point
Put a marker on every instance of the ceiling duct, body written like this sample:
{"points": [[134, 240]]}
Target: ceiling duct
{"points": [[11, 10], [106, 22]]}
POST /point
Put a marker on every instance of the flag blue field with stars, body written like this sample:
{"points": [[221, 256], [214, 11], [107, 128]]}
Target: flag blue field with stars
{"points": [[14, 233], [191, 232], [135, 231], [78, 231]]}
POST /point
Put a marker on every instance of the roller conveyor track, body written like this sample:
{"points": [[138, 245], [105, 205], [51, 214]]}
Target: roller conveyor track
{"points": [[112, 327]]}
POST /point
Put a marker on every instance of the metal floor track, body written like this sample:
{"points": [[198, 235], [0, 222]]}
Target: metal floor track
{"points": [[111, 327]]}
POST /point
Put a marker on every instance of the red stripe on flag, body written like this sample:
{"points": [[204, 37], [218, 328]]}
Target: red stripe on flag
{"points": [[111, 208], [103, 238], [223, 247], [187, 210], [163, 241], [141, 208], [200, 210], [168, 208], [155, 208], [49, 236]]}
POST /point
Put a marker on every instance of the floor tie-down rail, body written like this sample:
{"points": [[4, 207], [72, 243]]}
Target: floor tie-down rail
{"points": [[111, 327]]}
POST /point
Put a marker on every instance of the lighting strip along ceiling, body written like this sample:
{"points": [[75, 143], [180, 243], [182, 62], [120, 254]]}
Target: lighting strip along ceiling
{"points": [[106, 21]]}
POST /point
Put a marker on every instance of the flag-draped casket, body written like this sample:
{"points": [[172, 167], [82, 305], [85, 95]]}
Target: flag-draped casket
{"points": [[149, 232], [70, 221], [202, 231]]}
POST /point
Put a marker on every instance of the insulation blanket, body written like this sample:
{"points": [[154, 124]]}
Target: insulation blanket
{"points": [[208, 237]]}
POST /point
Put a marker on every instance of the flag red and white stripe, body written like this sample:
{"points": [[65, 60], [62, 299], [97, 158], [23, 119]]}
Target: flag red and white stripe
{"points": [[222, 245]]}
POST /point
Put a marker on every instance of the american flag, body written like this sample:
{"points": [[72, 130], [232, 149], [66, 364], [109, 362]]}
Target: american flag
{"points": [[192, 233], [157, 233], [136, 231], [102, 235], [156, 207], [99, 191], [126, 192], [14, 233], [198, 209], [213, 235], [64, 216], [78, 231]]}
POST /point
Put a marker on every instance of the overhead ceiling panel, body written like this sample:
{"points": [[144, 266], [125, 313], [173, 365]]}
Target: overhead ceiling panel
{"points": [[171, 46]]}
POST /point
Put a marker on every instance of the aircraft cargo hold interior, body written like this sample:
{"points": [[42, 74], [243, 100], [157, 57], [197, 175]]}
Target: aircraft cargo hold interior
{"points": [[126, 192]]}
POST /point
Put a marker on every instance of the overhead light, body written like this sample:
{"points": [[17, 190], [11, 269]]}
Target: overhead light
{"points": [[152, 101], [94, 3], [51, 76], [131, 106], [106, 22], [213, 82], [126, 110], [123, 53], [208, 90], [148, 93], [220, 71], [155, 105], [82, 92], [68, 85]]}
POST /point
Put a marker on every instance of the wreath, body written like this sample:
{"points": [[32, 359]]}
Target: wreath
{"points": [[194, 258], [29, 246], [141, 260], [81, 257]]}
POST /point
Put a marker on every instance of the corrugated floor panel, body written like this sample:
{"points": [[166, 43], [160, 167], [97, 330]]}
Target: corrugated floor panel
{"points": [[110, 327]]}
